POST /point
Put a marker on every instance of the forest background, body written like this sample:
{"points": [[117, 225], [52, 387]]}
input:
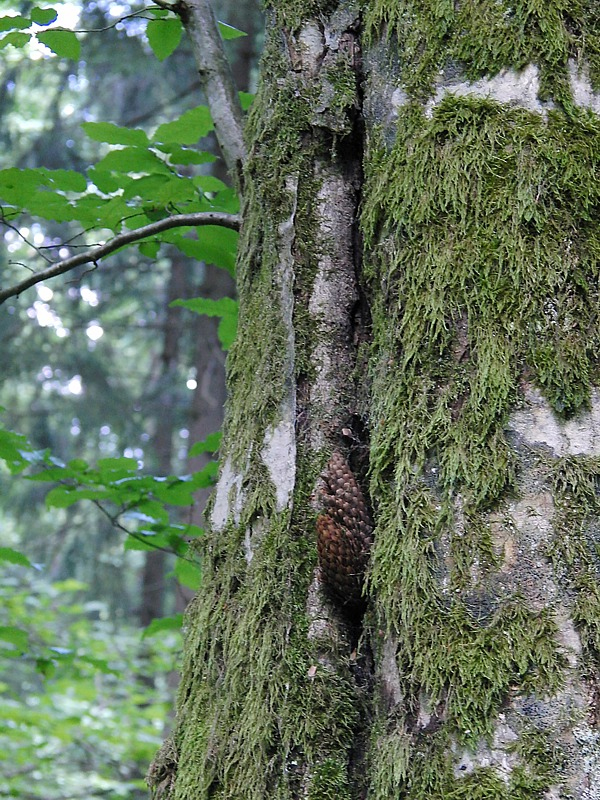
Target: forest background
{"points": [[115, 390]]}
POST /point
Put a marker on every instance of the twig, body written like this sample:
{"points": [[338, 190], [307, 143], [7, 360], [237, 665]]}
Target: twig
{"points": [[216, 79], [93, 255]]}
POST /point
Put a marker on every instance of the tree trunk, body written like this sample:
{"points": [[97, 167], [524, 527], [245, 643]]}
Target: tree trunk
{"points": [[443, 349]]}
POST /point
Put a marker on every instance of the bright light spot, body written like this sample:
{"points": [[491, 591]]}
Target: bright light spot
{"points": [[62, 333], [192, 383], [94, 331], [9, 236], [64, 252], [75, 429], [128, 452], [74, 385], [117, 10], [184, 433], [24, 231], [68, 109], [45, 316], [44, 292], [89, 296], [39, 238], [47, 371], [105, 430]]}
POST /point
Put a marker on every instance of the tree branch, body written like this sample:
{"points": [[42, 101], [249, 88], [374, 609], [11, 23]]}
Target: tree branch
{"points": [[94, 254], [217, 82]]}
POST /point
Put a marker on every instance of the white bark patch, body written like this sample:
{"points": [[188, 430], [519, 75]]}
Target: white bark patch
{"points": [[589, 744], [279, 456], [333, 296], [581, 87], [498, 755], [537, 424], [508, 86], [311, 42], [392, 690], [229, 497]]}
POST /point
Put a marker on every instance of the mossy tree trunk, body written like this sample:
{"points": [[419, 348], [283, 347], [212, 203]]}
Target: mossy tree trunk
{"points": [[419, 286]]}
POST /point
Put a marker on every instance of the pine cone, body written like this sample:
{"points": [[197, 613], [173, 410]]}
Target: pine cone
{"points": [[345, 534]]}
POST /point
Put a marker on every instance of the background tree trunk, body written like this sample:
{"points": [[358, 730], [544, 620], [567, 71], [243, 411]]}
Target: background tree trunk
{"points": [[448, 350]]}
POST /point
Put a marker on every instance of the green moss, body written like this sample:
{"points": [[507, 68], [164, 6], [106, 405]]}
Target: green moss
{"points": [[257, 713], [487, 36], [290, 14], [483, 264], [329, 782], [576, 551], [279, 183], [424, 769]]}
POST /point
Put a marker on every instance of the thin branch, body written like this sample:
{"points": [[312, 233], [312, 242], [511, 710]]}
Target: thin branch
{"points": [[216, 79], [93, 255], [114, 521]]}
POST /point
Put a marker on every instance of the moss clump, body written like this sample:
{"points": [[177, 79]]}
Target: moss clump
{"points": [[424, 770], [465, 662], [487, 36], [329, 781], [484, 263], [290, 14]]}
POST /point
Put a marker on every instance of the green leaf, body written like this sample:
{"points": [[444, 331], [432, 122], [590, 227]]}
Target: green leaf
{"points": [[14, 557], [206, 476], [70, 585], [115, 468], [212, 308], [149, 249], [227, 331], [185, 156], [45, 666], [225, 308], [43, 16], [179, 493], [246, 99], [191, 126], [137, 543], [64, 43], [209, 183], [210, 445], [188, 573], [12, 23], [115, 134], [164, 36], [65, 496], [229, 32], [16, 636], [173, 623], [65, 180], [132, 159], [215, 245], [77, 465], [15, 38], [13, 448]]}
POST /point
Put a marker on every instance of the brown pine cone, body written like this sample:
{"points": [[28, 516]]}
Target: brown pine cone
{"points": [[344, 534]]}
